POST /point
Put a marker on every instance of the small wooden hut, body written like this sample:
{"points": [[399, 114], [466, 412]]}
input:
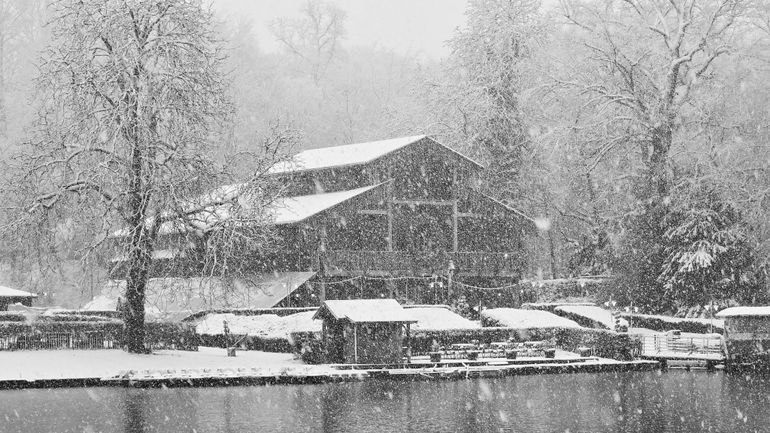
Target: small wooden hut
{"points": [[747, 336], [364, 331], [10, 296]]}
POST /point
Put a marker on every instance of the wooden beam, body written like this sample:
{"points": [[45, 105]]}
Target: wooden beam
{"points": [[355, 343], [373, 212], [389, 199], [454, 210], [424, 202]]}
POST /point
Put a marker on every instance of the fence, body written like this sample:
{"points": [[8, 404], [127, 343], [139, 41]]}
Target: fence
{"points": [[663, 344], [58, 340], [93, 335]]}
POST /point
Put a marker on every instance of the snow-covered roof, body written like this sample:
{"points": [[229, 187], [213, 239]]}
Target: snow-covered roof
{"points": [[289, 210], [438, 318], [283, 210], [166, 295], [7, 292], [527, 319], [366, 310], [744, 311], [340, 156]]}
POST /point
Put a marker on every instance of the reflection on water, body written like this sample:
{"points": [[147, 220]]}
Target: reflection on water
{"points": [[636, 402]]}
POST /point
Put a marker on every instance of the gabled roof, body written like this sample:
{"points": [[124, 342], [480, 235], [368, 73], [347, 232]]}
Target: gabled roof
{"points": [[349, 154], [283, 210], [338, 156], [193, 294], [289, 210], [7, 292], [365, 310]]}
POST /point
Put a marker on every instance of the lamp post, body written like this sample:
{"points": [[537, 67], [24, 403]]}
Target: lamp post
{"points": [[450, 273], [321, 265]]}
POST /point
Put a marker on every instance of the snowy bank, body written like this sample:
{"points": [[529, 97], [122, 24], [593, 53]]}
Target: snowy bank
{"points": [[75, 364]]}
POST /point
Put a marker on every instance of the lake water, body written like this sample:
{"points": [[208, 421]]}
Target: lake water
{"points": [[675, 401]]}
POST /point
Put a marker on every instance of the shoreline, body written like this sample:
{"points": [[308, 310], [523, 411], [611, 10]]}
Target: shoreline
{"points": [[210, 368]]}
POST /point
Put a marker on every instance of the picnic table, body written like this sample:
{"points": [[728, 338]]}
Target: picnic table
{"points": [[496, 349]]}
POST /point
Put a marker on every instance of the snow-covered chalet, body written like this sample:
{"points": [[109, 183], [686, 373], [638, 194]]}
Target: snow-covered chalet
{"points": [[402, 218]]}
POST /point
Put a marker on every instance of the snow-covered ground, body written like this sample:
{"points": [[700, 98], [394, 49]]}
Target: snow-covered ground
{"points": [[527, 319], [73, 364], [437, 318], [264, 325]]}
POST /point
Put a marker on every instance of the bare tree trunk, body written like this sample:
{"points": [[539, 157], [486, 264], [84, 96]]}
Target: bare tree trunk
{"points": [[133, 314], [141, 242], [656, 160]]}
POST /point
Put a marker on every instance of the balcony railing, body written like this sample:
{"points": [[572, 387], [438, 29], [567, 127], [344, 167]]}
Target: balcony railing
{"points": [[424, 263]]}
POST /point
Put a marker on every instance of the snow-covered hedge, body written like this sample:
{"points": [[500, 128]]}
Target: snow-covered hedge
{"points": [[668, 323], [606, 344], [589, 316], [524, 319]]}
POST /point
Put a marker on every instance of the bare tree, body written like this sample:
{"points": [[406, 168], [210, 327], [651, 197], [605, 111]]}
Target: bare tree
{"points": [[646, 61], [314, 37], [132, 99]]}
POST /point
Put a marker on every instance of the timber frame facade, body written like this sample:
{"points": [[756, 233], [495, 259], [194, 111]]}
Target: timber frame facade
{"points": [[413, 209], [377, 220]]}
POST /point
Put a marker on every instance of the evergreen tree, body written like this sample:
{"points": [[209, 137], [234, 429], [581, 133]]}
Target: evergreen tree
{"points": [[707, 255]]}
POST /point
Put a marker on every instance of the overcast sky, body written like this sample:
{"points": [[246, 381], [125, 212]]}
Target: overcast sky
{"points": [[406, 26]]}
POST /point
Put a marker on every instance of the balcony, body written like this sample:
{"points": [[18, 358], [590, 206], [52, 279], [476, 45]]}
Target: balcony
{"points": [[486, 264]]}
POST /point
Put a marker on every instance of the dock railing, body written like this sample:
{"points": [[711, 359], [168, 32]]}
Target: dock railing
{"points": [[58, 340], [657, 345]]}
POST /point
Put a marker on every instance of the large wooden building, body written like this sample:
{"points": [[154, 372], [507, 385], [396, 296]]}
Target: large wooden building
{"points": [[403, 218]]}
